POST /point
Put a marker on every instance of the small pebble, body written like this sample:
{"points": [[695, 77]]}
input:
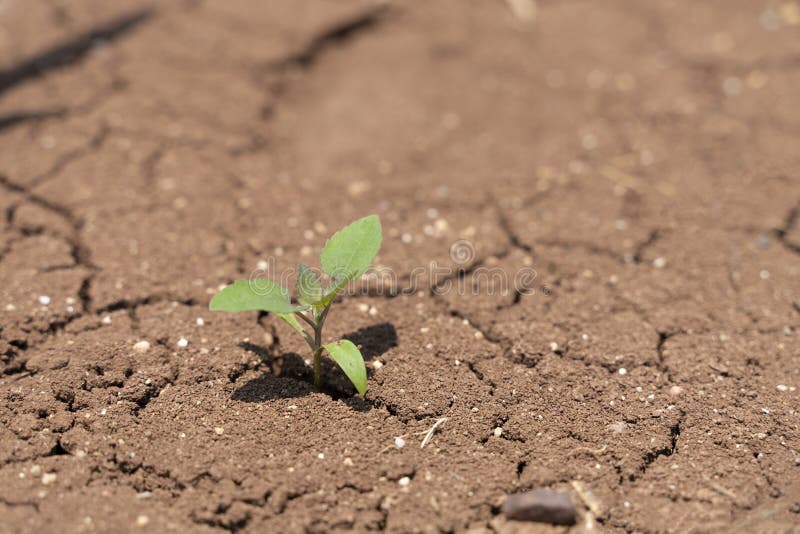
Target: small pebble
{"points": [[675, 391], [618, 428], [782, 388], [10, 307], [183, 342], [142, 521], [542, 505], [321, 456], [765, 410], [622, 371], [36, 470], [348, 462], [373, 311], [763, 242], [364, 308], [200, 321], [107, 319], [44, 300], [219, 430], [405, 481], [377, 364], [49, 478], [498, 431], [660, 263], [141, 346], [399, 443]]}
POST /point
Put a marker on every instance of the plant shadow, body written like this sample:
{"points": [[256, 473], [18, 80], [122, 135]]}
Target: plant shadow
{"points": [[374, 340], [292, 377], [271, 387]]}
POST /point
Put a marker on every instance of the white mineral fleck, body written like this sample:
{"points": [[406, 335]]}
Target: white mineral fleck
{"points": [[44, 300], [183, 342], [399, 443]]}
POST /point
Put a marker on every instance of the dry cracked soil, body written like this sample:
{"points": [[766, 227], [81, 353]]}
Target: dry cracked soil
{"points": [[637, 162]]}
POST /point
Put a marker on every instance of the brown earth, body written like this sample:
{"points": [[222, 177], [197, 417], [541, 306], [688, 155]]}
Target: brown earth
{"points": [[642, 157]]}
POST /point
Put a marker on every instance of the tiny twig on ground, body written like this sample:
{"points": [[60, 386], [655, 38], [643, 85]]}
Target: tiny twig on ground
{"points": [[429, 433], [588, 499]]}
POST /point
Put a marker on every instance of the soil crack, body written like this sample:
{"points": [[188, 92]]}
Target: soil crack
{"points": [[306, 57], [70, 52]]}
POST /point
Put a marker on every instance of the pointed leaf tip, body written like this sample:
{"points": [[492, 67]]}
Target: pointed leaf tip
{"points": [[350, 251]]}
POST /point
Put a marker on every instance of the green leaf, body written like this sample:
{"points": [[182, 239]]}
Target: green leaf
{"points": [[349, 252], [257, 294], [309, 287], [349, 358]]}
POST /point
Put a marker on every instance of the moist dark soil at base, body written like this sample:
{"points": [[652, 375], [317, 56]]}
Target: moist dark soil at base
{"points": [[634, 165]]}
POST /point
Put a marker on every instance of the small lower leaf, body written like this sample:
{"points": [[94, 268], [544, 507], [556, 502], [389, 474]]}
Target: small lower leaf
{"points": [[309, 287], [349, 358]]}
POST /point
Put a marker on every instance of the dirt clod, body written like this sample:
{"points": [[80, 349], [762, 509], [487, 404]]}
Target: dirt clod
{"points": [[541, 505]]}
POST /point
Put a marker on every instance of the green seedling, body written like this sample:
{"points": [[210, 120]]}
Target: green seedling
{"points": [[345, 257]]}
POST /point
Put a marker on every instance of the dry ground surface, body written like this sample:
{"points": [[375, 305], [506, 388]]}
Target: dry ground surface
{"points": [[642, 157]]}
